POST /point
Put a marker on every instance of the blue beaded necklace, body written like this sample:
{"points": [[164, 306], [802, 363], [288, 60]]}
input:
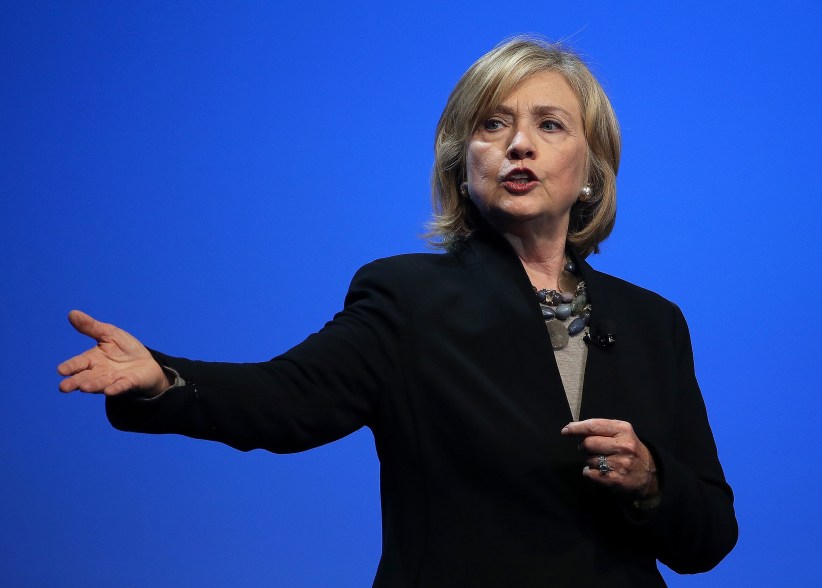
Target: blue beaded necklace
{"points": [[558, 306]]}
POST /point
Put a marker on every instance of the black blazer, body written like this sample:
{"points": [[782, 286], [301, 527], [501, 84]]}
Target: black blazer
{"points": [[446, 358]]}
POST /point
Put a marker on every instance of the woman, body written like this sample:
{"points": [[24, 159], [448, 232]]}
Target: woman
{"points": [[538, 423]]}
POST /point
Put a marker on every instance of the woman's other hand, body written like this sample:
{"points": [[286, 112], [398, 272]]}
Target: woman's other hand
{"points": [[118, 363], [628, 465]]}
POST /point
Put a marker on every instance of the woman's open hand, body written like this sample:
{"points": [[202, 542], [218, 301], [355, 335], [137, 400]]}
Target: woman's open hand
{"points": [[118, 363], [615, 456]]}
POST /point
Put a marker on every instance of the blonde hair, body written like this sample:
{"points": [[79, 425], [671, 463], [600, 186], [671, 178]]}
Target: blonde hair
{"points": [[478, 92]]}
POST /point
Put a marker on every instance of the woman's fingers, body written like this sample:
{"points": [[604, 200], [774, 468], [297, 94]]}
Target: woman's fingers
{"points": [[614, 455], [84, 374], [89, 326], [76, 364], [596, 427], [622, 464]]}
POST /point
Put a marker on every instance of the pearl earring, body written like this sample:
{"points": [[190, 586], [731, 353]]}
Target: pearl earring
{"points": [[585, 193], [464, 188]]}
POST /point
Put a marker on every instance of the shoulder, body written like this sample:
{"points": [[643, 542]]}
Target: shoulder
{"points": [[643, 307], [628, 290], [406, 269], [416, 283], [410, 262]]}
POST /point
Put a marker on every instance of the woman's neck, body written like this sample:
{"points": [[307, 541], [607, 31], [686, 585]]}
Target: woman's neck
{"points": [[542, 256]]}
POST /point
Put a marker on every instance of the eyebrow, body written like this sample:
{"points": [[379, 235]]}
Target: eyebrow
{"points": [[539, 110]]}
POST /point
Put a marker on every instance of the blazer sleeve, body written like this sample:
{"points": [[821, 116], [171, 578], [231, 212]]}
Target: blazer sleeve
{"points": [[321, 390], [695, 525]]}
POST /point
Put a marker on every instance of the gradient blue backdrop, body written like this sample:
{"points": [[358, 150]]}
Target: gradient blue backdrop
{"points": [[210, 174]]}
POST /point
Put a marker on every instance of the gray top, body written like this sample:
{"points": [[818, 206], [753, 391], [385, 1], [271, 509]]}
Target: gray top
{"points": [[571, 363]]}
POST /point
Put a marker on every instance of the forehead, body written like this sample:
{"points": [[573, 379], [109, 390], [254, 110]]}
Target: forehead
{"points": [[543, 89]]}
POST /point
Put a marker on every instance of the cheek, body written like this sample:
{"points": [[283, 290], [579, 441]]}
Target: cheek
{"points": [[479, 164], [579, 161], [573, 165]]}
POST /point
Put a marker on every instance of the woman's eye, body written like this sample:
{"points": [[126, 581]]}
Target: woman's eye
{"points": [[551, 125], [492, 124]]}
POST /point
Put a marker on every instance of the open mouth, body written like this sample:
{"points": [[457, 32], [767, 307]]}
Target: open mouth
{"points": [[519, 180]]}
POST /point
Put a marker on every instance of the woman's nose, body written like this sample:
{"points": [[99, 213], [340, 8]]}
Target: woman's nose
{"points": [[521, 147]]}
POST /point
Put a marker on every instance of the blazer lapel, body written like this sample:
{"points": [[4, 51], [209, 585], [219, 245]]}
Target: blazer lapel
{"points": [[538, 381], [602, 387]]}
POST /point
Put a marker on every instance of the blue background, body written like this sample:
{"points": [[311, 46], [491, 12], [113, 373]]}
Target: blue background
{"points": [[209, 175]]}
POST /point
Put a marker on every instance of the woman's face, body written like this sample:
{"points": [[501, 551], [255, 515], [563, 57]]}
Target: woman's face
{"points": [[526, 162]]}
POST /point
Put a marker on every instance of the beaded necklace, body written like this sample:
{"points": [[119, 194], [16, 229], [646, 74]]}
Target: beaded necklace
{"points": [[558, 306]]}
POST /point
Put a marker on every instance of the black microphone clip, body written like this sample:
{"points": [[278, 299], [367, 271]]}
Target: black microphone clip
{"points": [[603, 335]]}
